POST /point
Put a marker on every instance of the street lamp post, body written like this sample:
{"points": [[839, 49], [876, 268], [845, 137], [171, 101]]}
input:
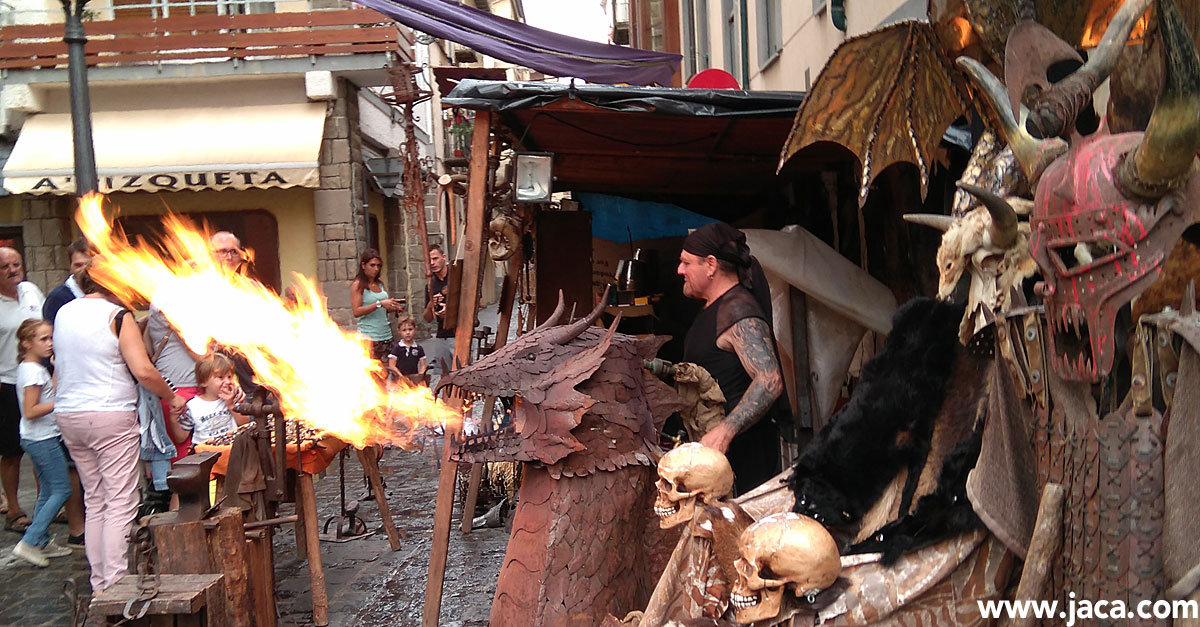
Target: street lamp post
{"points": [[81, 108]]}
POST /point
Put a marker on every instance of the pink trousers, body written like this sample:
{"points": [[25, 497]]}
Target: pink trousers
{"points": [[104, 445]]}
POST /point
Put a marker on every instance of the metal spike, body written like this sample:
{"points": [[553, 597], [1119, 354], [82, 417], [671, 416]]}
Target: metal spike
{"points": [[1189, 299]]}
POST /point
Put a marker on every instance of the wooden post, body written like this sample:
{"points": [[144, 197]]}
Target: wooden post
{"points": [[468, 301], [1043, 547], [180, 545], [306, 499], [261, 562], [227, 551], [370, 464], [508, 295]]}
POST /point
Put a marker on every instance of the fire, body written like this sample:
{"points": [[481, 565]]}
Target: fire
{"points": [[321, 374]]}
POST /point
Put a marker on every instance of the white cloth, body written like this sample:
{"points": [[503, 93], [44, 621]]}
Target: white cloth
{"points": [[206, 419], [44, 427], [91, 371], [27, 304], [73, 286]]}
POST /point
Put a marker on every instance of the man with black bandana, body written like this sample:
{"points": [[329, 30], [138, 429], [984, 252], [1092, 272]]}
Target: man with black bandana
{"points": [[731, 339]]}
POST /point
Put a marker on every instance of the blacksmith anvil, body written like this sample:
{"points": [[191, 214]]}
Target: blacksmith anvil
{"points": [[189, 480], [272, 456]]}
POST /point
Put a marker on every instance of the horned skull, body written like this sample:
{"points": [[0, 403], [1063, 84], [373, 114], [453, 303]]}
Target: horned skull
{"points": [[688, 473], [782, 551], [1107, 208], [504, 237]]}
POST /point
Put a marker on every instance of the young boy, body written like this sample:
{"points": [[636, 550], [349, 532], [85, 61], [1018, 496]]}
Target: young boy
{"points": [[407, 358], [210, 413]]}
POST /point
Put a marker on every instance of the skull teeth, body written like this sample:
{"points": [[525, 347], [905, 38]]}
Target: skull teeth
{"points": [[740, 601], [663, 512]]}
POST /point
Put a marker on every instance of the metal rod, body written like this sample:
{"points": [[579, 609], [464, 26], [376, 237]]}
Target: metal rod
{"points": [[81, 108], [271, 522]]}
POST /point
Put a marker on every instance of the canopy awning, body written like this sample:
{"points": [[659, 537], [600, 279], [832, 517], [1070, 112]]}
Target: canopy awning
{"points": [[174, 149]]}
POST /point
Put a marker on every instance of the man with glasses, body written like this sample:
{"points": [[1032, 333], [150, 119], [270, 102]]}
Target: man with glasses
{"points": [[227, 248]]}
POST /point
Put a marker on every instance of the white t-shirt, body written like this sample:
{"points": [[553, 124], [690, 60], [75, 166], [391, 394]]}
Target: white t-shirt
{"points": [[206, 419], [92, 375], [13, 312], [45, 427]]}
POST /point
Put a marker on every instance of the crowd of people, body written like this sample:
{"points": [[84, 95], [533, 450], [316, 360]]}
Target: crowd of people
{"points": [[80, 378]]}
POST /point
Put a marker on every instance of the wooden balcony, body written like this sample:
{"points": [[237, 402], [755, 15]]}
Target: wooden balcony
{"points": [[148, 41]]}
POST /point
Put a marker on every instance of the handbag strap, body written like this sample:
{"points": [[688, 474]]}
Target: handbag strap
{"points": [[162, 344]]}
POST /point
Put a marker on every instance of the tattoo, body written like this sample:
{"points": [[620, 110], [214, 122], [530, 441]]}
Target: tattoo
{"points": [[750, 339]]}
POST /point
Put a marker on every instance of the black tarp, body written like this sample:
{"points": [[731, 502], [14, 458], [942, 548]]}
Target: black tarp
{"points": [[511, 96]]}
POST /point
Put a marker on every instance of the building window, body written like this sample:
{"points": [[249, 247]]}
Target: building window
{"points": [[695, 36], [732, 42], [770, 31]]}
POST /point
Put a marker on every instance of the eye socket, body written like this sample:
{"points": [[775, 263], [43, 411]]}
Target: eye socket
{"points": [[766, 573]]}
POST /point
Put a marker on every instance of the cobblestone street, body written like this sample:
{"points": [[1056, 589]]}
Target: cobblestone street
{"points": [[368, 584]]}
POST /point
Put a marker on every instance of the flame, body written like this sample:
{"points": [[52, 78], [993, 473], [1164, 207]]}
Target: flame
{"points": [[321, 374]]}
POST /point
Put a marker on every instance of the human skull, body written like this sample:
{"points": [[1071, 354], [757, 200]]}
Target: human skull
{"points": [[781, 550], [686, 473]]}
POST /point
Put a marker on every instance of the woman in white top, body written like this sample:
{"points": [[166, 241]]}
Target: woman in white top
{"points": [[99, 344]]}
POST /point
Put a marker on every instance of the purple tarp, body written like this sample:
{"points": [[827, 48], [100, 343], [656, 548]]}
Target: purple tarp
{"points": [[521, 44]]}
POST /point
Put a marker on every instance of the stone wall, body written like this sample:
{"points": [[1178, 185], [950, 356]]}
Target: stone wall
{"points": [[341, 234], [406, 274], [47, 233]]}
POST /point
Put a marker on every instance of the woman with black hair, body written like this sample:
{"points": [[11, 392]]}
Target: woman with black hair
{"points": [[370, 304]]}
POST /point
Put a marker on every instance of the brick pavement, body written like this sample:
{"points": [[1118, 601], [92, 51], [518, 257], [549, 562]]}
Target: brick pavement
{"points": [[368, 584]]}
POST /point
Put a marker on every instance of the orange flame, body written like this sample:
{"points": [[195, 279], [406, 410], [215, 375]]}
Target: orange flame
{"points": [[321, 374]]}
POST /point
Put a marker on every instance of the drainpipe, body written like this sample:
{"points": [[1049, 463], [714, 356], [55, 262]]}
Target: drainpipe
{"points": [[745, 43], [81, 107]]}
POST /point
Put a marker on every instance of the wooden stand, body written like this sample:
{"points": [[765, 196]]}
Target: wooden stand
{"points": [[306, 507], [179, 553], [261, 566], [182, 600], [370, 464]]}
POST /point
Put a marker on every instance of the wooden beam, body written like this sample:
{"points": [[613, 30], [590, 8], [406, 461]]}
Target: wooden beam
{"points": [[370, 463], [306, 502], [508, 295], [468, 302]]}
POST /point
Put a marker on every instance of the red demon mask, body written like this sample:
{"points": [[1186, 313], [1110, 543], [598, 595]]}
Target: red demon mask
{"points": [[1108, 209]]}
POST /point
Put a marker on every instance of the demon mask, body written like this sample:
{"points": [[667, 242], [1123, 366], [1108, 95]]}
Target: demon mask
{"points": [[782, 551], [686, 474], [1107, 208]]}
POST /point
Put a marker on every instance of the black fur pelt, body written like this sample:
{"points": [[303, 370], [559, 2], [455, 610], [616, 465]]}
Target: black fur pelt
{"points": [[939, 515], [888, 422]]}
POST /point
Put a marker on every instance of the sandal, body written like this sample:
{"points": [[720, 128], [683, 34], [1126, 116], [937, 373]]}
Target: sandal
{"points": [[18, 523]]}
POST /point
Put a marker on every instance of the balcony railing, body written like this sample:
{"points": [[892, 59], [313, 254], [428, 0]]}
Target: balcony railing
{"points": [[150, 40]]}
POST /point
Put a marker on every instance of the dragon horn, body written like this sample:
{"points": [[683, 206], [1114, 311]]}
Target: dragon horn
{"points": [[558, 312], [1163, 160], [937, 221], [1059, 106], [1003, 228], [1033, 154], [566, 334]]}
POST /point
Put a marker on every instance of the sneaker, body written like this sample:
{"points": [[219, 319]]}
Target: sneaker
{"points": [[53, 550], [31, 554], [75, 542]]}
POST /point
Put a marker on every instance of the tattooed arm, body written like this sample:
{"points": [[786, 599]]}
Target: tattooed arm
{"points": [[750, 339]]}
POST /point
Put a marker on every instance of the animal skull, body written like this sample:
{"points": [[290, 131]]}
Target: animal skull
{"points": [[504, 237], [781, 550], [686, 473]]}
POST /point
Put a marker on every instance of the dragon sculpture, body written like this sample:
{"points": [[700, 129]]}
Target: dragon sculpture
{"points": [[585, 416]]}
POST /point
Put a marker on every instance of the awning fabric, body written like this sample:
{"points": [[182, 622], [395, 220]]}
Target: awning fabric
{"points": [[174, 149], [542, 50]]}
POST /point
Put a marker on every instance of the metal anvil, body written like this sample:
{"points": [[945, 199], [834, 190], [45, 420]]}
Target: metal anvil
{"points": [[189, 480]]}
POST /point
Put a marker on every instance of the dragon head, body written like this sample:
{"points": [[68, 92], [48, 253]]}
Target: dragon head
{"points": [[579, 397]]}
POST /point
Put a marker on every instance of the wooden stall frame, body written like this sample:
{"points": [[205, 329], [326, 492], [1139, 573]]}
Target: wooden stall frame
{"points": [[468, 302]]}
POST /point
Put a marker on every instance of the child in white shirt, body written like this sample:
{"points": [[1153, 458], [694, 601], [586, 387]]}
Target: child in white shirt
{"points": [[210, 413]]}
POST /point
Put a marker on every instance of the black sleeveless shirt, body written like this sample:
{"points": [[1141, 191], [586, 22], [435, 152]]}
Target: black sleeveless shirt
{"points": [[700, 344]]}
